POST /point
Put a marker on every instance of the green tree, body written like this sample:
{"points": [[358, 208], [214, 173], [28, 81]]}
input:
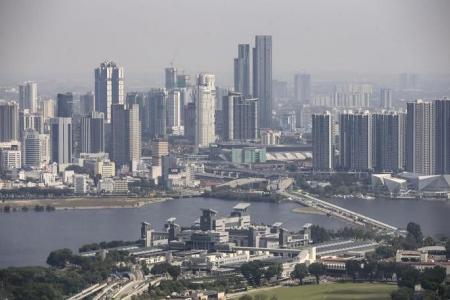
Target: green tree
{"points": [[429, 241], [353, 268], [415, 232], [300, 272], [403, 293], [316, 269], [384, 251], [160, 268], [174, 271], [319, 234], [273, 270], [253, 271], [59, 258], [432, 278], [408, 276]]}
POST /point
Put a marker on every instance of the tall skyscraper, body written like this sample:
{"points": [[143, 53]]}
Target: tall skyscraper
{"points": [[242, 70], [355, 147], [442, 111], [92, 133], [420, 137], [158, 115], [240, 117], [386, 98], [171, 78], [87, 104], [302, 88], [205, 110], [28, 96], [64, 105], [109, 88], [174, 113], [126, 135], [262, 78], [322, 140], [9, 121], [61, 140], [388, 141]]}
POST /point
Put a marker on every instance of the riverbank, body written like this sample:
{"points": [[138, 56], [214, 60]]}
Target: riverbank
{"points": [[307, 210], [80, 203]]}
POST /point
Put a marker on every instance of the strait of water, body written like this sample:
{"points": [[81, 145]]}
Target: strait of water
{"points": [[26, 238]]}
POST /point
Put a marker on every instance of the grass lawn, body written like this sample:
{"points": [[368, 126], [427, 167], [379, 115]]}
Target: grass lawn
{"points": [[332, 291]]}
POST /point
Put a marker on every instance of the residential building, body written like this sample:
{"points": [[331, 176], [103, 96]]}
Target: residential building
{"points": [[388, 141], [355, 146], [442, 115], [420, 137], [322, 140]]}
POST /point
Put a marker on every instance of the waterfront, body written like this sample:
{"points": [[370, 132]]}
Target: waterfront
{"points": [[28, 237]]}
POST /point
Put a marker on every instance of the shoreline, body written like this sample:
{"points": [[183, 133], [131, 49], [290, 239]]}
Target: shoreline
{"points": [[24, 205]]}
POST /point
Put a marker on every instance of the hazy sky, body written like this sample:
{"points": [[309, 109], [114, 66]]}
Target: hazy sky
{"points": [[45, 38]]}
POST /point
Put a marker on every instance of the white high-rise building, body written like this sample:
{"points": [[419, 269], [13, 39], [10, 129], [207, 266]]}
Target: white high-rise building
{"points": [[322, 140], [174, 113], [205, 110], [28, 96], [109, 88]]}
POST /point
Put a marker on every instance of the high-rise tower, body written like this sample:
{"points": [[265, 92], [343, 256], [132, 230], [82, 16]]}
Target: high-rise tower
{"points": [[420, 137], [242, 70], [262, 78], [205, 99], [109, 88]]}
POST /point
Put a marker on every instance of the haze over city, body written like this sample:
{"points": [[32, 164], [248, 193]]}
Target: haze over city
{"points": [[64, 40]]}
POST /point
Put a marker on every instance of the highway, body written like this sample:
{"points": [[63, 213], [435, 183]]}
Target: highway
{"points": [[337, 211]]}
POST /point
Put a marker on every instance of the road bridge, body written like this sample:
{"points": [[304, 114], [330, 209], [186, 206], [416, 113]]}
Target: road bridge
{"points": [[337, 211]]}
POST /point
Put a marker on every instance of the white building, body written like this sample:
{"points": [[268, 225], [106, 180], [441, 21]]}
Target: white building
{"points": [[174, 113], [10, 159], [270, 137], [205, 110], [80, 184]]}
